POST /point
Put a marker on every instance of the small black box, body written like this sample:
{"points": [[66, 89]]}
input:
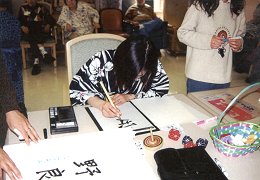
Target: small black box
{"points": [[62, 120]]}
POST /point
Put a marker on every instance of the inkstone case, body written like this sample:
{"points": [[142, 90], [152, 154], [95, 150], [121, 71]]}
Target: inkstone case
{"points": [[187, 164], [62, 120]]}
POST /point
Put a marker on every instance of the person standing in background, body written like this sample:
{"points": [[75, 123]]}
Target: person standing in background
{"points": [[10, 35], [78, 18], [212, 31]]}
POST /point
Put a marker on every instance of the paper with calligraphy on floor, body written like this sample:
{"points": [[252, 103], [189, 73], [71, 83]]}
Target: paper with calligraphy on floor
{"points": [[241, 111], [168, 110], [101, 155], [132, 118]]}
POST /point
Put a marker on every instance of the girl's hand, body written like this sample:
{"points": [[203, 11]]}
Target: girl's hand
{"points": [[17, 120], [216, 42], [68, 28], [109, 111], [119, 99], [7, 165], [235, 43]]}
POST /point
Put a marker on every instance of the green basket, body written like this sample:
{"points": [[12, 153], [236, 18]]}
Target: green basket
{"points": [[232, 150], [246, 127]]}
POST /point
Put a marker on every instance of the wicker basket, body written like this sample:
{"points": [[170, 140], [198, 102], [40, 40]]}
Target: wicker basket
{"points": [[232, 150], [245, 127]]}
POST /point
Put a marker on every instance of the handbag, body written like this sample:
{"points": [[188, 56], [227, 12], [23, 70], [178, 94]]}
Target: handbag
{"points": [[187, 163]]}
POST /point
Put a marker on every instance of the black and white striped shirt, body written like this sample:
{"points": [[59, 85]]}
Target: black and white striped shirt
{"points": [[85, 83]]}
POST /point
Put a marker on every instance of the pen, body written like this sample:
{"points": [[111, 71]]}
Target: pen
{"points": [[45, 133], [108, 97]]}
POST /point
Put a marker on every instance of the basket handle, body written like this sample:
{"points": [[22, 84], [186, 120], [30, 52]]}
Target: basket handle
{"points": [[234, 100]]}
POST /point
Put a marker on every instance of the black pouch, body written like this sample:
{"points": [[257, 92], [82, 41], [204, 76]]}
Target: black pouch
{"points": [[188, 163]]}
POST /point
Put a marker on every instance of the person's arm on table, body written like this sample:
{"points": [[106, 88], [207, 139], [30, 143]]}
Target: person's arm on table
{"points": [[9, 106], [12, 118], [17, 120]]}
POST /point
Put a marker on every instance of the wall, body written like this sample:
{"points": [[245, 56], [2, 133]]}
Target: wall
{"points": [[250, 7]]}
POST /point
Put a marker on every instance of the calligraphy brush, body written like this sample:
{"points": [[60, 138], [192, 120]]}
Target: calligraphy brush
{"points": [[108, 97]]}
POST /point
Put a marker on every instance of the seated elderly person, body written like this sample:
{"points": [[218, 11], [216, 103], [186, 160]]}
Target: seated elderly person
{"points": [[36, 22], [78, 18], [143, 16]]}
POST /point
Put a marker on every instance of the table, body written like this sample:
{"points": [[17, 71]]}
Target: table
{"points": [[251, 97], [40, 120], [237, 168]]}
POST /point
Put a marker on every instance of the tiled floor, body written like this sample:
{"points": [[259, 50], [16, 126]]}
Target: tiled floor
{"points": [[50, 87]]}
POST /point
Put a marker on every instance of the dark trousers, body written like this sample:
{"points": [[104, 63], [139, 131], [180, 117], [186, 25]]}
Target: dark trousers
{"points": [[151, 26], [194, 86], [34, 39]]}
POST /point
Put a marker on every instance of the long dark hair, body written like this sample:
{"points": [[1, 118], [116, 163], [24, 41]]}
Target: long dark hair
{"points": [[209, 6], [133, 55]]}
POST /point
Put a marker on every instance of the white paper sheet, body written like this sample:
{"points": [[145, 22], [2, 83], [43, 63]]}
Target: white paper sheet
{"points": [[168, 110], [95, 156], [131, 118]]}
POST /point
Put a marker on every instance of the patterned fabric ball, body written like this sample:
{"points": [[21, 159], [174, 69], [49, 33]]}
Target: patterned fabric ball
{"points": [[190, 144], [174, 134], [186, 139], [202, 142]]}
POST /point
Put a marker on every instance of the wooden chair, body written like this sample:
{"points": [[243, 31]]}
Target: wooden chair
{"points": [[80, 49], [111, 21], [51, 43]]}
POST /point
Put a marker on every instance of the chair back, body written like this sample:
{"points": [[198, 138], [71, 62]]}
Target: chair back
{"points": [[44, 3], [47, 5], [111, 20], [81, 49]]}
